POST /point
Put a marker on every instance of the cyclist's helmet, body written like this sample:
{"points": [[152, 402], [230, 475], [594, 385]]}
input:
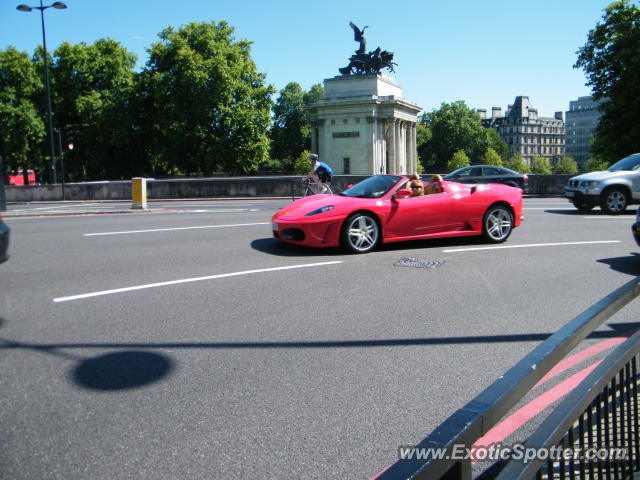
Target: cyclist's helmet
{"points": [[313, 156]]}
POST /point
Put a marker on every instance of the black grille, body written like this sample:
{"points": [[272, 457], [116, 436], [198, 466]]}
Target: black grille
{"points": [[294, 234]]}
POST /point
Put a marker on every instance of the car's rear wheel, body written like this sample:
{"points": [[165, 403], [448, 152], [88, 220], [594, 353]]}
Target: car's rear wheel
{"points": [[583, 207], [497, 224], [360, 233], [614, 201]]}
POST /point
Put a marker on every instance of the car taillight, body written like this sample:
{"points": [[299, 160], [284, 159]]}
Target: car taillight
{"points": [[526, 177]]}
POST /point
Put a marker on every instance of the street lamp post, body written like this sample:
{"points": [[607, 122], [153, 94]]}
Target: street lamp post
{"points": [[42, 8]]}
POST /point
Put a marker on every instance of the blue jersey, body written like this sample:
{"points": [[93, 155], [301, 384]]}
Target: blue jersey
{"points": [[321, 167]]}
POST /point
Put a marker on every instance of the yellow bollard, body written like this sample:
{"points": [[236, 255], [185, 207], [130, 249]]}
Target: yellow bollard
{"points": [[139, 192]]}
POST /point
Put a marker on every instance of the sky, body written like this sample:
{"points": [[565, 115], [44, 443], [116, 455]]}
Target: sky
{"points": [[485, 52]]}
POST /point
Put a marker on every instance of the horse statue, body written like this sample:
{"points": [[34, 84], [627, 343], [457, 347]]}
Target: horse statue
{"points": [[367, 63]]}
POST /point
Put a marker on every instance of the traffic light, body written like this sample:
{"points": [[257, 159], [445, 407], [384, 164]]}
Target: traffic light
{"points": [[69, 135]]}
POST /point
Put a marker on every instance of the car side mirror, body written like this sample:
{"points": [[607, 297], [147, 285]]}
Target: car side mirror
{"points": [[402, 193]]}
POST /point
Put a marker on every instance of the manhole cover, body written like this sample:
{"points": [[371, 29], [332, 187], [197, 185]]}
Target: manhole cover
{"points": [[414, 262]]}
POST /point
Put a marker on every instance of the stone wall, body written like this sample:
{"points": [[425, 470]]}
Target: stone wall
{"points": [[282, 186]]}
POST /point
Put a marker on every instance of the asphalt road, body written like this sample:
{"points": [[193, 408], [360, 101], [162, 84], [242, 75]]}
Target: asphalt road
{"points": [[187, 343]]}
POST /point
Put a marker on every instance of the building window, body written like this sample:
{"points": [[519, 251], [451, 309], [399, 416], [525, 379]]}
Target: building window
{"points": [[346, 163]]}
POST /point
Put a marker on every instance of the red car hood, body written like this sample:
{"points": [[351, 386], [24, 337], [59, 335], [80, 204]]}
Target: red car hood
{"points": [[298, 209]]}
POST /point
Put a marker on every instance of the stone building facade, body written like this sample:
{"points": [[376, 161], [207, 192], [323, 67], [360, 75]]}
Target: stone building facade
{"points": [[364, 126], [582, 118], [527, 133]]}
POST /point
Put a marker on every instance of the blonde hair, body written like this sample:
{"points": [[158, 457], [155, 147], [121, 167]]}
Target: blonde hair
{"points": [[435, 185]]}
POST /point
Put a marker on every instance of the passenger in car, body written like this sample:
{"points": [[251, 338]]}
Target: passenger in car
{"points": [[434, 185], [415, 185]]}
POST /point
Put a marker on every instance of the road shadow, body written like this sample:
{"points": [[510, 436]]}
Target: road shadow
{"points": [[121, 370], [629, 265], [276, 247], [273, 246], [132, 353], [578, 213]]}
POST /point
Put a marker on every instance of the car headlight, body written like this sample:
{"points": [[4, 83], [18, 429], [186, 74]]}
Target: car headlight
{"points": [[589, 183], [320, 210]]}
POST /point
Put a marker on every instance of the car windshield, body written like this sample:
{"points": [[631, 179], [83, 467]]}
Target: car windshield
{"points": [[632, 162], [372, 187]]}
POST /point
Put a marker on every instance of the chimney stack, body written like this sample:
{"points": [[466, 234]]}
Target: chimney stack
{"points": [[496, 112]]}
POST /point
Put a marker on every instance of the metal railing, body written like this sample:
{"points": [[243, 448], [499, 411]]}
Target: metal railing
{"points": [[474, 420], [597, 423]]}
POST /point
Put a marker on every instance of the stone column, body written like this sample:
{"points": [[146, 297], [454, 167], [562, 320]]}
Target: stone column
{"points": [[314, 135], [393, 153], [398, 149]]}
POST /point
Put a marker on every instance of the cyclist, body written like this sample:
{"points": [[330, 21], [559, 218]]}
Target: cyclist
{"points": [[320, 173]]}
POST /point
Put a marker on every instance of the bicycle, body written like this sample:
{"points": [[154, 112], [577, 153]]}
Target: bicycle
{"points": [[310, 187]]}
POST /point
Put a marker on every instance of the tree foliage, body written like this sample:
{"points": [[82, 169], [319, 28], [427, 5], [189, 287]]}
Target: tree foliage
{"points": [[291, 130], [94, 85], [206, 105], [566, 165], [23, 129], [596, 164], [458, 160], [491, 157], [498, 144], [517, 163], [453, 127], [540, 166], [611, 63]]}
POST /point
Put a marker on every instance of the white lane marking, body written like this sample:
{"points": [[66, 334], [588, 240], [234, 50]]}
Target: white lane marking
{"points": [[56, 207], [175, 228], [530, 245], [225, 210], [188, 280]]}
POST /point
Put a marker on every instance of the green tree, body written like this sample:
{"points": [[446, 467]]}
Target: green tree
{"points": [[94, 88], [423, 136], [208, 109], [453, 127], [540, 166], [611, 64], [498, 144], [302, 164], [566, 165], [458, 160], [23, 134], [291, 130], [491, 157], [596, 164], [517, 163]]}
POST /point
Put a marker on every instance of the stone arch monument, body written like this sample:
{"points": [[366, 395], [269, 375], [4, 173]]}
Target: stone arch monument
{"points": [[363, 125]]}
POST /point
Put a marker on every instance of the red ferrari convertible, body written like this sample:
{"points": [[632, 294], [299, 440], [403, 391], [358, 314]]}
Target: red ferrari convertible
{"points": [[380, 209]]}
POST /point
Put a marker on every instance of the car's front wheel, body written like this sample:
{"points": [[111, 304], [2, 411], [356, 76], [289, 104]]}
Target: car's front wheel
{"points": [[497, 224], [360, 233], [614, 201]]}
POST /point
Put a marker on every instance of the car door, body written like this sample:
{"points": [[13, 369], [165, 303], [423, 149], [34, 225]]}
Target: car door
{"points": [[424, 215], [492, 175]]}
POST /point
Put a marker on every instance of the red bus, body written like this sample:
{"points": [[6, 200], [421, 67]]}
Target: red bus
{"points": [[16, 178]]}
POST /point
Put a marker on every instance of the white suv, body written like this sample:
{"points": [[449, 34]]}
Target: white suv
{"points": [[612, 189]]}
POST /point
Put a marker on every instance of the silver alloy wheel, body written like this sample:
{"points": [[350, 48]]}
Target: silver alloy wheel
{"points": [[498, 224], [616, 201], [362, 233]]}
